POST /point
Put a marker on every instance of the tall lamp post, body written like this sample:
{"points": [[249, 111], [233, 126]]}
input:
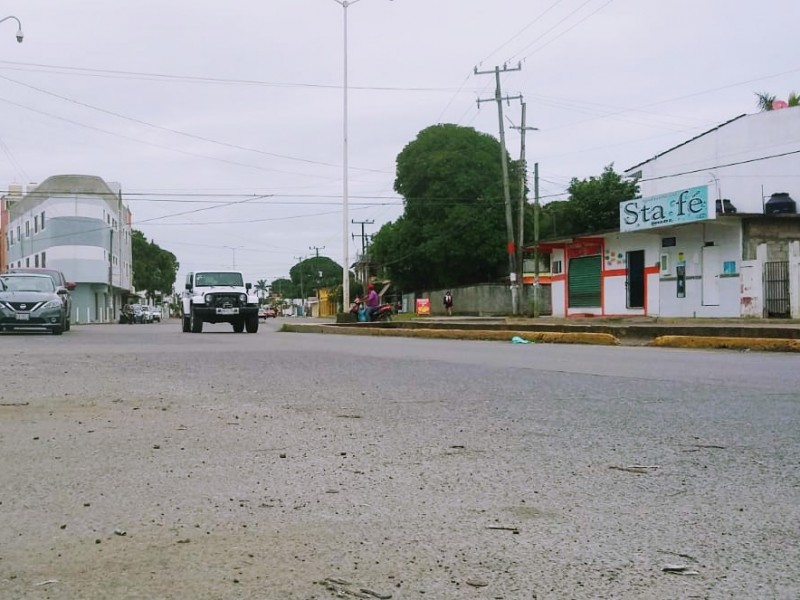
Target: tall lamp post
{"points": [[233, 250], [20, 35], [345, 4]]}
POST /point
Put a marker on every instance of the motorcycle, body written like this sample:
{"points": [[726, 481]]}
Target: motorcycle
{"points": [[383, 312]]}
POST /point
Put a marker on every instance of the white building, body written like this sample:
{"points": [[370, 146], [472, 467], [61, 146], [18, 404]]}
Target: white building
{"points": [[77, 224], [700, 241]]}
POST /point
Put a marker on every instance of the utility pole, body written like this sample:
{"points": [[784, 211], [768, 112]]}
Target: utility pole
{"points": [[498, 97], [300, 260], [364, 237], [316, 249], [523, 171], [536, 241]]}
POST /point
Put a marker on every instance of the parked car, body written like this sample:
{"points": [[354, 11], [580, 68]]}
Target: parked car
{"points": [[147, 314], [30, 300], [60, 281], [265, 312], [156, 312], [138, 313]]}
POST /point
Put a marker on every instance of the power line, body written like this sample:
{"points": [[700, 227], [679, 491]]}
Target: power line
{"points": [[175, 131], [119, 74]]}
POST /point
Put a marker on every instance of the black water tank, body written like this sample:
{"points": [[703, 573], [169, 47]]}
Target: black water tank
{"points": [[780, 203]]}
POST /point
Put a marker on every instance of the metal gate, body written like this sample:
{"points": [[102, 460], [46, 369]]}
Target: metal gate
{"points": [[776, 289]]}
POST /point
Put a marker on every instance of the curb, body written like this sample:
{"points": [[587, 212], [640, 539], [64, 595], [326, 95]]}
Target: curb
{"points": [[600, 339], [727, 343]]}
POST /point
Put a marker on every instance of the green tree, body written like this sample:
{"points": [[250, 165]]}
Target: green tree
{"points": [[285, 288], [154, 269], [765, 100], [594, 202], [453, 228], [313, 273]]}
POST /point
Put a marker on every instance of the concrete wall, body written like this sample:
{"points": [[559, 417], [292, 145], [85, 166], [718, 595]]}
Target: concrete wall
{"points": [[794, 279], [691, 240], [481, 300]]}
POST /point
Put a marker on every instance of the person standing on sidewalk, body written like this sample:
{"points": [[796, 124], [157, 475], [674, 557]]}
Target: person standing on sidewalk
{"points": [[448, 303]]}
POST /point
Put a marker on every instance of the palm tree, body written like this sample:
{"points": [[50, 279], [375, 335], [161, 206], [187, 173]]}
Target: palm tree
{"points": [[262, 287], [765, 100]]}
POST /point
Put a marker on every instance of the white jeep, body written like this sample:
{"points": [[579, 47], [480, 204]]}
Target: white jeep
{"points": [[218, 297]]}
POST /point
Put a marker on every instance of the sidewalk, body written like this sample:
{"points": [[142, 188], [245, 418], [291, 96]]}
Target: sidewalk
{"points": [[740, 334]]}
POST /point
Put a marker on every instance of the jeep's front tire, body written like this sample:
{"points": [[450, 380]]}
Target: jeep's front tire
{"points": [[238, 326], [252, 324], [196, 323]]}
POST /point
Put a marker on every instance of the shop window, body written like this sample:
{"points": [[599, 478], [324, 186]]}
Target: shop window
{"points": [[557, 267], [664, 263]]}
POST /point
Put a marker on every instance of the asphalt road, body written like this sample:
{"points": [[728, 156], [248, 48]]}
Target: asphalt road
{"points": [[142, 462]]}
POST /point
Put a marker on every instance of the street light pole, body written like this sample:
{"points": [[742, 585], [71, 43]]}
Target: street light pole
{"points": [[345, 4], [233, 250], [20, 35]]}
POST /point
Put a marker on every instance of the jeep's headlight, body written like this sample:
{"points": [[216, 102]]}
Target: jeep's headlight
{"points": [[243, 298], [53, 304], [208, 298]]}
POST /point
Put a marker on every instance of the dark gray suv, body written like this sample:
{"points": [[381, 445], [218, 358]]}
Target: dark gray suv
{"points": [[60, 281]]}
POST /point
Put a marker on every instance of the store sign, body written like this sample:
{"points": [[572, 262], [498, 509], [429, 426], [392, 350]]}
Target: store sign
{"points": [[684, 206], [423, 306]]}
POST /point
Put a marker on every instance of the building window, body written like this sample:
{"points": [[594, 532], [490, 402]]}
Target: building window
{"points": [[27, 229], [44, 265], [12, 237], [557, 268], [36, 261], [664, 263], [41, 219], [19, 232], [27, 262], [35, 223]]}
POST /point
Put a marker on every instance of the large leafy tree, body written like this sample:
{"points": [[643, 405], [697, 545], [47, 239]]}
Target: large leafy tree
{"points": [[453, 229], [285, 288], [313, 273], [154, 269], [593, 205]]}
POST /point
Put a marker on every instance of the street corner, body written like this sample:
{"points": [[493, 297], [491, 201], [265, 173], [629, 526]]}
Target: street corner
{"points": [[727, 343]]}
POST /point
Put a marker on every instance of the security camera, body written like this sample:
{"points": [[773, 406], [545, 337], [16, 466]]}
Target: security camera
{"points": [[20, 36]]}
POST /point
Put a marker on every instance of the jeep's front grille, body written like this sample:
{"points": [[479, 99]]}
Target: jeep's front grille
{"points": [[225, 301]]}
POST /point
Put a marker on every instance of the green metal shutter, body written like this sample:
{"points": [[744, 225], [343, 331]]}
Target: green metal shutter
{"points": [[584, 282]]}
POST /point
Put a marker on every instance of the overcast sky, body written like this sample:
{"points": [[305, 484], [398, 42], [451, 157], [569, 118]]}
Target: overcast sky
{"points": [[233, 110]]}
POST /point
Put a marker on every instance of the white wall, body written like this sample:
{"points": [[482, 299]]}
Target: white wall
{"points": [[615, 292], [750, 138], [690, 240]]}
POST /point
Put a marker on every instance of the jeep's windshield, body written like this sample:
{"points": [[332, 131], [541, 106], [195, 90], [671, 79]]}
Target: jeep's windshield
{"points": [[211, 279]]}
